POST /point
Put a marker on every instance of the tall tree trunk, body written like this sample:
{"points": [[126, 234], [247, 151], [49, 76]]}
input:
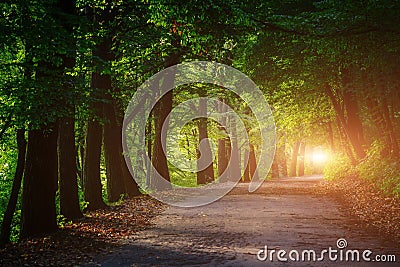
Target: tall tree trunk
{"points": [[343, 124], [302, 153], [284, 161], [130, 186], [149, 130], [344, 142], [275, 169], [293, 161], [222, 158], [161, 111], [253, 163], [246, 174], [40, 183], [330, 136], [16, 186], [228, 150], [159, 159], [354, 126], [353, 123], [112, 151], [392, 140], [69, 200], [67, 154], [92, 187], [234, 162], [206, 175]]}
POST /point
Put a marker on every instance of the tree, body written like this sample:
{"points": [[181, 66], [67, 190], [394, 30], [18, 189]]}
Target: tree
{"points": [[69, 200], [207, 174], [16, 186], [43, 76]]}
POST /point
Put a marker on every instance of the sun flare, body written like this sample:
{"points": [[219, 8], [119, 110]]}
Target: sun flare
{"points": [[319, 157]]}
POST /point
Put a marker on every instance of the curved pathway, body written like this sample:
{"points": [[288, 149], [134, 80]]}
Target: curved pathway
{"points": [[283, 215]]}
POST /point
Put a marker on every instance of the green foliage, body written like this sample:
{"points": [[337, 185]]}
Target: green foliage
{"points": [[383, 172], [338, 167], [290, 48], [8, 161], [62, 221]]}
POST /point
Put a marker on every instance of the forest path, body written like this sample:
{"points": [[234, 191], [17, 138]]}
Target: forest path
{"points": [[283, 214]]}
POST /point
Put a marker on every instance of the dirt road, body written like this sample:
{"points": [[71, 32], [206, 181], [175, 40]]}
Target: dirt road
{"points": [[282, 215]]}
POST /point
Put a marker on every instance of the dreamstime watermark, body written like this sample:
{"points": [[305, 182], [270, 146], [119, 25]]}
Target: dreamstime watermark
{"points": [[134, 133], [334, 254]]}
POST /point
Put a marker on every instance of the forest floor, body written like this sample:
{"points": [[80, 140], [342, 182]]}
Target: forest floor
{"points": [[290, 214]]}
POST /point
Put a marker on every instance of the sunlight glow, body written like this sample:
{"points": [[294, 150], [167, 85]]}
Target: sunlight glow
{"points": [[319, 157]]}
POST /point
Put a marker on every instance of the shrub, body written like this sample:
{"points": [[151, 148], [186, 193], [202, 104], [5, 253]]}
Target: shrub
{"points": [[338, 167], [383, 172]]}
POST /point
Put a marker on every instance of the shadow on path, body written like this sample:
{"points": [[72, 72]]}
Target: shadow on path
{"points": [[282, 214]]}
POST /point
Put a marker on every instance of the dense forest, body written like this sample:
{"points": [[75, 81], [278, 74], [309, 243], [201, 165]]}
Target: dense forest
{"points": [[328, 69]]}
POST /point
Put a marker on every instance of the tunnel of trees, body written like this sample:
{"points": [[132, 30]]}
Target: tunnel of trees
{"points": [[329, 69]]}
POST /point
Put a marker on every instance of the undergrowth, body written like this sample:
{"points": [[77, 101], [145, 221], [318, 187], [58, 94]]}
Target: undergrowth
{"points": [[382, 171]]}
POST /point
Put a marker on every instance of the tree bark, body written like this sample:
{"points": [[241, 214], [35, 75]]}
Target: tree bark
{"points": [[234, 162], [69, 200], [275, 169], [293, 162], [246, 174], [354, 126], [16, 186], [302, 152], [222, 157], [283, 163], [253, 163], [330, 136], [40, 183], [159, 159], [351, 124], [207, 175], [92, 187], [391, 135], [112, 150], [161, 111], [130, 186]]}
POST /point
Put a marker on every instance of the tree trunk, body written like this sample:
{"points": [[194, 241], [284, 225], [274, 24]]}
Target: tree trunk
{"points": [[253, 164], [293, 162], [222, 157], [40, 183], [344, 142], [234, 163], [112, 151], [130, 186], [391, 135], [16, 186], [246, 174], [353, 123], [275, 169], [342, 123], [354, 126], [284, 167], [149, 130], [92, 187], [225, 160], [330, 136], [302, 153], [206, 175], [284, 161], [161, 111], [159, 160], [69, 200]]}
